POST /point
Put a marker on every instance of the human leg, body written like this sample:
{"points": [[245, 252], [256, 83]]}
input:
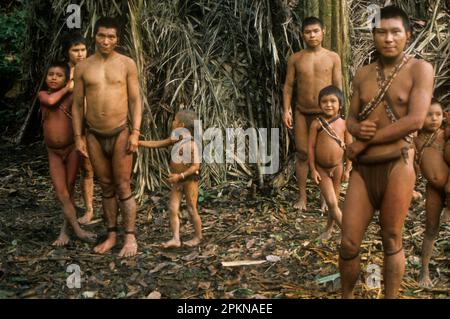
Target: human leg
{"points": [[433, 208], [357, 214], [301, 163], [191, 192]]}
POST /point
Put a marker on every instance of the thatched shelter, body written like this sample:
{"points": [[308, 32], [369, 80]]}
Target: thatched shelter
{"points": [[226, 60]]}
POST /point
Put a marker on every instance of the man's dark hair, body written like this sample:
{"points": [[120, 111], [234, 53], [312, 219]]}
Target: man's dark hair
{"points": [[107, 22], [390, 12], [71, 40], [63, 65], [332, 90], [310, 21]]}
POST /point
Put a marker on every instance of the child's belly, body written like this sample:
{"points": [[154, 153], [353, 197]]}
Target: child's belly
{"points": [[177, 168], [58, 133], [328, 153], [433, 165]]}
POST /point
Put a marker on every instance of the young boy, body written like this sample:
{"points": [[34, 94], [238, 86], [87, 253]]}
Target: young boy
{"points": [[326, 145], [75, 50], [309, 71], [185, 166], [63, 158], [430, 157]]}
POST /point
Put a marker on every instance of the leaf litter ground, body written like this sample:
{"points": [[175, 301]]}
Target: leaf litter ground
{"points": [[255, 246]]}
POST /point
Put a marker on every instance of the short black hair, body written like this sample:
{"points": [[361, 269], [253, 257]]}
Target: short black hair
{"points": [[107, 22], [63, 65], [71, 40], [332, 90], [390, 12], [436, 101], [310, 21]]}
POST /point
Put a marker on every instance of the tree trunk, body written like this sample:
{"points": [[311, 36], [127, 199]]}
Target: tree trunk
{"points": [[326, 15]]}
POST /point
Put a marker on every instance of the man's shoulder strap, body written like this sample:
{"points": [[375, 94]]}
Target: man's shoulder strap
{"points": [[324, 125], [384, 85]]}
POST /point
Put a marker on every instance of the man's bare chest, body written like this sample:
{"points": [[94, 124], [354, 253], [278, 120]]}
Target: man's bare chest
{"points": [[99, 76], [314, 67], [397, 94]]}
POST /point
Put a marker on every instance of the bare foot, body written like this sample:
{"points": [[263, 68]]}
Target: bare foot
{"points": [[446, 215], [326, 235], [86, 236], [62, 240], [300, 204], [416, 196], [193, 242], [86, 218], [129, 248], [106, 246], [173, 243], [424, 280]]}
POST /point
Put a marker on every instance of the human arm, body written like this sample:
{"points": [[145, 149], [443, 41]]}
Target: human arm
{"points": [[337, 72], [419, 100], [363, 130], [52, 99], [135, 106], [156, 144], [287, 92], [312, 140], [348, 163], [78, 112]]}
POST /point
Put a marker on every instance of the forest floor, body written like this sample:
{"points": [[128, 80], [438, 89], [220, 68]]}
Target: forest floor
{"points": [[238, 226]]}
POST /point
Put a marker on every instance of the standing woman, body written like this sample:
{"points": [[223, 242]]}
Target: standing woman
{"points": [[76, 51]]}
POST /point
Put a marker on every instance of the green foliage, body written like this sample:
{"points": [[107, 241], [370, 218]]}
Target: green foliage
{"points": [[12, 33]]}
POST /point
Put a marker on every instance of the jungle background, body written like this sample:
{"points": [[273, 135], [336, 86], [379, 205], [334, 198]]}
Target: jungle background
{"points": [[226, 60]]}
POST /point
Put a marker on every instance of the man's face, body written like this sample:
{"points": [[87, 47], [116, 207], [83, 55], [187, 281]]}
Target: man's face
{"points": [[77, 53], [390, 37], [106, 40], [313, 35]]}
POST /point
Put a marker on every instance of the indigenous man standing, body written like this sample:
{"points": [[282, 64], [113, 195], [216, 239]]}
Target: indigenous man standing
{"points": [[109, 82], [309, 71], [390, 102]]}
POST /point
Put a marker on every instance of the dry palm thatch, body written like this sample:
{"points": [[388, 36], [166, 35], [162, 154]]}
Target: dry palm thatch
{"points": [[225, 60], [222, 59]]}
